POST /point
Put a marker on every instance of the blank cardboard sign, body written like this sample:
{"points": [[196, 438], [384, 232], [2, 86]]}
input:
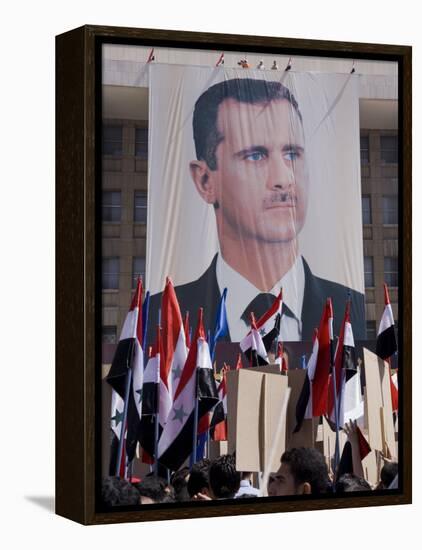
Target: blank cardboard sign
{"points": [[254, 404], [379, 413]]}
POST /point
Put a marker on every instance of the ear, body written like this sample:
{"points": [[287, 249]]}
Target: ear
{"points": [[203, 180], [307, 489]]}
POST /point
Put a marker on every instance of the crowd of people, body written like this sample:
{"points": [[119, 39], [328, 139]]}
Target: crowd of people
{"points": [[302, 471]]}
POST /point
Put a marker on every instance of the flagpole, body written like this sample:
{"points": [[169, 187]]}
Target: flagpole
{"points": [[195, 422], [122, 429], [333, 374], [157, 422]]}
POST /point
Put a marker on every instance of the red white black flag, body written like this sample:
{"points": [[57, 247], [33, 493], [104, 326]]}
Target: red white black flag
{"points": [[386, 339], [218, 427], [150, 397], [345, 368], [322, 369], [253, 346], [129, 355], [174, 351], [304, 403], [196, 383]]}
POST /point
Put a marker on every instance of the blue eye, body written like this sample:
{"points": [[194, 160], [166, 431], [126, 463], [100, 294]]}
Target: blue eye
{"points": [[255, 156], [292, 154]]}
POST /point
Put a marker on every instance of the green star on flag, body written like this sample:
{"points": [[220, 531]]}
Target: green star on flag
{"points": [[117, 418], [179, 414], [177, 372]]}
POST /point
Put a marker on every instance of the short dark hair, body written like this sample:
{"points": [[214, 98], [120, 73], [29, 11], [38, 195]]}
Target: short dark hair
{"points": [[244, 90], [308, 466], [199, 477], [152, 487], [388, 473], [179, 483], [224, 479], [118, 492], [348, 483]]}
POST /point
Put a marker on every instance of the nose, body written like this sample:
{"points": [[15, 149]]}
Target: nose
{"points": [[280, 174]]}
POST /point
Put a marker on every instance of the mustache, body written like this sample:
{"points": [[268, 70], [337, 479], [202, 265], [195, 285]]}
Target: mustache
{"points": [[281, 197]]}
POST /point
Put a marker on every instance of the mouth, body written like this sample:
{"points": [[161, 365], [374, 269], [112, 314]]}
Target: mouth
{"points": [[280, 200]]}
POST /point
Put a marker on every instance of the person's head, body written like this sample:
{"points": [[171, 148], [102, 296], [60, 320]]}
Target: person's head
{"points": [[152, 489], [198, 479], [388, 474], [118, 492], [224, 479], [250, 165], [348, 483], [179, 482], [302, 471]]}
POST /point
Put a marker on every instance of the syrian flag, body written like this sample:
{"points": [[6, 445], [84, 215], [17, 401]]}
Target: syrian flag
{"points": [[353, 403], [386, 339], [394, 386], [117, 414], [322, 369], [151, 394], [274, 334], [387, 344], [221, 328], [174, 350], [239, 362], [196, 383], [219, 418], [267, 321], [344, 363], [304, 403], [129, 355], [346, 461], [253, 346], [280, 359]]}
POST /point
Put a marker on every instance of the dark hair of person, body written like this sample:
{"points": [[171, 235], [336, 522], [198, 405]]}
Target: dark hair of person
{"points": [[198, 478], [308, 466], [152, 487], [179, 483], [118, 492], [244, 90], [348, 483], [388, 473], [224, 479]]}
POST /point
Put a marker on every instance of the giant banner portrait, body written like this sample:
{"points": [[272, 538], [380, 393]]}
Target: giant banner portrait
{"points": [[254, 185]]}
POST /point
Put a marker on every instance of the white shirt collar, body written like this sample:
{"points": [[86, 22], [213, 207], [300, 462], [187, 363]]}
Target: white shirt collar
{"points": [[240, 292]]}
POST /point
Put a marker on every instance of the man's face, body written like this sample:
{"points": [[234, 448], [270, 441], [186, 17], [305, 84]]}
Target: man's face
{"points": [[261, 179], [282, 483]]}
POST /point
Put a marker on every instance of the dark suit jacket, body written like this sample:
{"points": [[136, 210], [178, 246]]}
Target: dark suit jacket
{"points": [[204, 292]]}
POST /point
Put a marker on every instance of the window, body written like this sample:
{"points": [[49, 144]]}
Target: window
{"points": [[112, 140], [364, 149], [141, 143], [371, 330], [140, 213], [110, 272], [138, 269], [390, 212], [368, 263], [391, 271], [111, 206], [109, 335], [389, 149], [366, 210]]}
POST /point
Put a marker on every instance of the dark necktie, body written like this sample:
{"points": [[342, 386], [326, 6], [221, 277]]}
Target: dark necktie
{"points": [[260, 304]]}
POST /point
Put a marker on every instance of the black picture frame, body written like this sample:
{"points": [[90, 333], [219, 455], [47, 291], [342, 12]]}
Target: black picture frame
{"points": [[78, 268]]}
